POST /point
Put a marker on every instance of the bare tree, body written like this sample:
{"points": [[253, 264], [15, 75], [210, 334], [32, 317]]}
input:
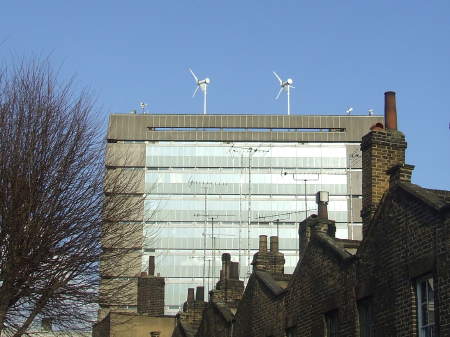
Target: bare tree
{"points": [[55, 219]]}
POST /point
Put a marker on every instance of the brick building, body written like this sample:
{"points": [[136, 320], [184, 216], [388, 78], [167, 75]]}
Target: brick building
{"points": [[149, 320], [397, 283], [261, 311], [218, 317]]}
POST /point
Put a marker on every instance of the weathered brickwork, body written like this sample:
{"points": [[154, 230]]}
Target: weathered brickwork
{"points": [[193, 308], [217, 321], [321, 283], [261, 311], [148, 318], [218, 317], [150, 299], [406, 238], [229, 288], [402, 245], [381, 150]]}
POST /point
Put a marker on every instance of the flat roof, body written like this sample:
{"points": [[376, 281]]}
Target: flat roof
{"points": [[254, 128]]}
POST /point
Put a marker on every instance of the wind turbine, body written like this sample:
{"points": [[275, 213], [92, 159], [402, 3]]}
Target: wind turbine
{"points": [[203, 85], [286, 85]]}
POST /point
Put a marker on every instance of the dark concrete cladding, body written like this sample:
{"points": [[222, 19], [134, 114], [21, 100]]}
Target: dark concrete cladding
{"points": [[148, 127]]}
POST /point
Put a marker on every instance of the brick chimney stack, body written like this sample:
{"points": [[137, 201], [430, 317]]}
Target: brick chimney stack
{"points": [[271, 261], [193, 307], [229, 288], [382, 150], [316, 223], [150, 291]]}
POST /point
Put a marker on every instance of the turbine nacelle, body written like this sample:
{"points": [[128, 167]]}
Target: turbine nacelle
{"points": [[205, 81]]}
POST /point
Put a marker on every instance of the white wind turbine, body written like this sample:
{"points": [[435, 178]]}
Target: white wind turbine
{"points": [[203, 85], [286, 85]]}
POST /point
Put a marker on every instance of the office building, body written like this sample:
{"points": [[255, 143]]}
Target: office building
{"points": [[214, 183]]}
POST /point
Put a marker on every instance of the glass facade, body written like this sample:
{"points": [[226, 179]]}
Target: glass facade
{"points": [[207, 198]]}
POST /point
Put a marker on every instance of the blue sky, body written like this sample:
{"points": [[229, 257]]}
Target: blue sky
{"points": [[339, 53]]}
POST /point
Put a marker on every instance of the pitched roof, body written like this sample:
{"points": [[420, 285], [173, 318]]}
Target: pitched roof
{"points": [[187, 329], [332, 245], [223, 309], [267, 279], [437, 199]]}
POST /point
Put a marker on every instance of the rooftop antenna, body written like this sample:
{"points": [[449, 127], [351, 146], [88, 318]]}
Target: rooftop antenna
{"points": [[203, 85], [286, 85], [349, 110], [143, 106]]}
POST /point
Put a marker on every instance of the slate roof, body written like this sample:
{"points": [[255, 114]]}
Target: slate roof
{"points": [[332, 245], [272, 284], [187, 329], [437, 199], [223, 309]]}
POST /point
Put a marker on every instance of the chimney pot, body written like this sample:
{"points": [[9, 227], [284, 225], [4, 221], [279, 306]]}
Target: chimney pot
{"points": [[263, 243], [274, 244], [151, 265], [200, 294], [377, 127], [190, 297], [390, 110], [234, 273], [226, 259], [322, 198]]}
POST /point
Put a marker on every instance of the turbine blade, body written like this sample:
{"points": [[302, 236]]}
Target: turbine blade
{"points": [[193, 75], [279, 92], [196, 89], [278, 77]]}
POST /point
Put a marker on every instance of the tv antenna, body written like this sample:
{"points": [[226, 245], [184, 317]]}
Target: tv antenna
{"points": [[286, 86], [203, 85], [143, 106]]}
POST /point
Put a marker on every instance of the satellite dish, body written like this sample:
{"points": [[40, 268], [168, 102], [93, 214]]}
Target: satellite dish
{"points": [[203, 85], [349, 110], [286, 86]]}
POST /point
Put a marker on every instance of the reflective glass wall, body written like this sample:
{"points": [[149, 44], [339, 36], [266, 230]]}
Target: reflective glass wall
{"points": [[204, 199]]}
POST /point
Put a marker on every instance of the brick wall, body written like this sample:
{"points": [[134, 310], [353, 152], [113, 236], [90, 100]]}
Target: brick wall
{"points": [[193, 308], [381, 150], [403, 246], [406, 237], [261, 311], [321, 283], [150, 298]]}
